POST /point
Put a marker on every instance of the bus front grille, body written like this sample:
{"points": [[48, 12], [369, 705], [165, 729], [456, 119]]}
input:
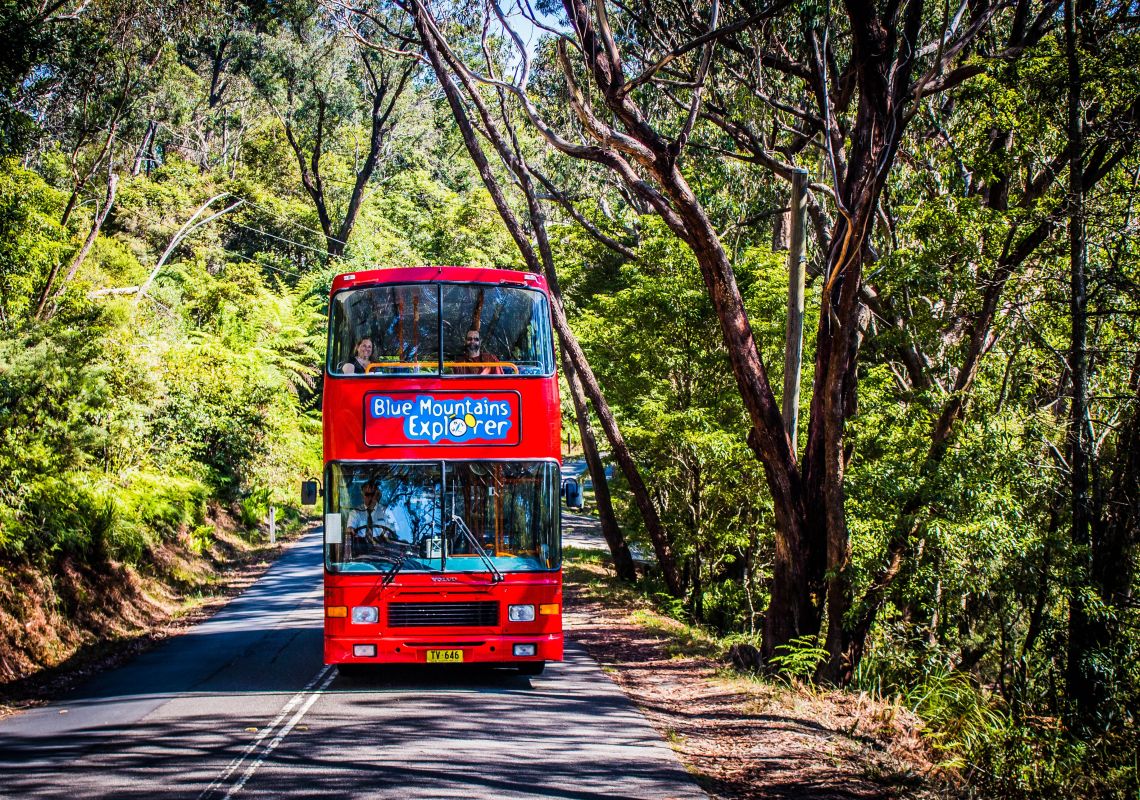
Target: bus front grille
{"points": [[438, 615]]}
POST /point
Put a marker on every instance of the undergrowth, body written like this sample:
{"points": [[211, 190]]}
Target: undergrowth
{"points": [[980, 749]]}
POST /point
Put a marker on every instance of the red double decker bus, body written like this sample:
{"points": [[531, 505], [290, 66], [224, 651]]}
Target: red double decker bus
{"points": [[442, 470]]}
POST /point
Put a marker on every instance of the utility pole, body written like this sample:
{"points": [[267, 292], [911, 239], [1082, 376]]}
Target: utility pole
{"points": [[794, 334]]}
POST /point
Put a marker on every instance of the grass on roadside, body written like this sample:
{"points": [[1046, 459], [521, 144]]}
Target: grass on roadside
{"points": [[590, 572]]}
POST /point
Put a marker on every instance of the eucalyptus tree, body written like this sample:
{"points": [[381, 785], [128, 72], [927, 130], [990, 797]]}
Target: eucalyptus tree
{"points": [[645, 81], [534, 245], [222, 108], [337, 103]]}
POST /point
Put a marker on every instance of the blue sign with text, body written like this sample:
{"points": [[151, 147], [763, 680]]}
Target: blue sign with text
{"points": [[435, 419]]}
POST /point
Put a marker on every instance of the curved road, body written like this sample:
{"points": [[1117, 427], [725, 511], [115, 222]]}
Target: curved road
{"points": [[241, 705]]}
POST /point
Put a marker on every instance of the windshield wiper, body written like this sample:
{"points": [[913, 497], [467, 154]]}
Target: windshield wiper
{"points": [[496, 576], [397, 565]]}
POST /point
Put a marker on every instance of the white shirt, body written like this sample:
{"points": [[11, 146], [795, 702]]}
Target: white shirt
{"points": [[360, 518]]}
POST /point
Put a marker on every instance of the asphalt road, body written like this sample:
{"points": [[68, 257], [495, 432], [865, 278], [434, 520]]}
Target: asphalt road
{"points": [[241, 705]]}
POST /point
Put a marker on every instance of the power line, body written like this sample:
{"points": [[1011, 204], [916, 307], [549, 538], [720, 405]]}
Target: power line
{"points": [[247, 260], [281, 216], [241, 225], [278, 238]]}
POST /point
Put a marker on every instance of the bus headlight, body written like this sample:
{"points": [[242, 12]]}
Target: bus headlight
{"points": [[365, 615], [520, 613]]}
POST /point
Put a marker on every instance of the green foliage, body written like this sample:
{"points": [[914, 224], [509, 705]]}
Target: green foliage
{"points": [[32, 240], [958, 715], [254, 507], [60, 515], [54, 398], [165, 505], [800, 658], [651, 334], [120, 424]]}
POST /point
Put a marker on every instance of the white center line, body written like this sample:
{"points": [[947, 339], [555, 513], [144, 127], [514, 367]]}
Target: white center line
{"points": [[306, 697]]}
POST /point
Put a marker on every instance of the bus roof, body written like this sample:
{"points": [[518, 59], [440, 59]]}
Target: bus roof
{"points": [[372, 277]]}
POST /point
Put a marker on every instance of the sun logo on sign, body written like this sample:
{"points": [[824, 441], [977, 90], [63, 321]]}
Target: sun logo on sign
{"points": [[459, 425]]}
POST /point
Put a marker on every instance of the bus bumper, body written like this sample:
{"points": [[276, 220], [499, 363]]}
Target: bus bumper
{"points": [[467, 649]]}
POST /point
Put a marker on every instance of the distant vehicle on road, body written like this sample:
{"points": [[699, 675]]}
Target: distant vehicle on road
{"points": [[442, 470]]}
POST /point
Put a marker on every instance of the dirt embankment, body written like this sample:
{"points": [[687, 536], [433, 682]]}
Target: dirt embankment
{"points": [[65, 621]]}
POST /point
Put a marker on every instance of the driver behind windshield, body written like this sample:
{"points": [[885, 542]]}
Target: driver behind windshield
{"points": [[371, 525]]}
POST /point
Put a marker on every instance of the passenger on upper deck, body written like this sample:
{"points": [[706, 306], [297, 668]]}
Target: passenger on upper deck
{"points": [[361, 357], [474, 353]]}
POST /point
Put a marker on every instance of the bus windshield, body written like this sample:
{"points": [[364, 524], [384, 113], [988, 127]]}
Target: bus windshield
{"points": [[398, 329], [442, 516]]}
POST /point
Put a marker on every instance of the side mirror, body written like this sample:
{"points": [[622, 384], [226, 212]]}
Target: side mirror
{"points": [[572, 491], [309, 493]]}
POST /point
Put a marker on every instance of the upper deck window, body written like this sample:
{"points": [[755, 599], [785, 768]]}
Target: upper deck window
{"points": [[432, 329]]}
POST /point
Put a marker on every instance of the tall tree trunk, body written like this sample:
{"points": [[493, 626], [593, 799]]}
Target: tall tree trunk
{"points": [[1083, 680], [619, 548], [882, 64], [618, 447], [384, 98], [1116, 535]]}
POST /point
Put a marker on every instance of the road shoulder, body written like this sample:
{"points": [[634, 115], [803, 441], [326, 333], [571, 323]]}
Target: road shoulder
{"points": [[740, 737]]}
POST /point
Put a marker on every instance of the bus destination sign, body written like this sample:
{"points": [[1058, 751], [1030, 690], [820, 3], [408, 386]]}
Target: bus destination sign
{"points": [[441, 418]]}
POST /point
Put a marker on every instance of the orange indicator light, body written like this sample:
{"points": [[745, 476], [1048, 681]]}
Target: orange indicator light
{"points": [[548, 608], [336, 611]]}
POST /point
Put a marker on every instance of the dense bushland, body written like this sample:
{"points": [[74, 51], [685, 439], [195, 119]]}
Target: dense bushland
{"points": [[179, 183]]}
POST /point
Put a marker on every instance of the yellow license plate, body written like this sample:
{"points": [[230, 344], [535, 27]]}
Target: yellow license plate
{"points": [[444, 656]]}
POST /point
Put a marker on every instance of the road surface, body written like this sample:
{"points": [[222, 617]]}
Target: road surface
{"points": [[241, 706]]}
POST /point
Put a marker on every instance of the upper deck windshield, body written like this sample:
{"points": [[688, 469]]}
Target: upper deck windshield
{"points": [[465, 516], [439, 328]]}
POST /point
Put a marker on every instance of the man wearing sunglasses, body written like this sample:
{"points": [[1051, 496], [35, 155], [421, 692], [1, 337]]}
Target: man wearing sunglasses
{"points": [[371, 526], [474, 355]]}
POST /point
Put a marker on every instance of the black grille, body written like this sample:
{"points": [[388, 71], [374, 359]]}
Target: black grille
{"points": [[436, 615]]}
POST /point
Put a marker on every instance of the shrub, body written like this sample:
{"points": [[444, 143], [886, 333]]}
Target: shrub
{"points": [[62, 515], [800, 658], [254, 507], [164, 504]]}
